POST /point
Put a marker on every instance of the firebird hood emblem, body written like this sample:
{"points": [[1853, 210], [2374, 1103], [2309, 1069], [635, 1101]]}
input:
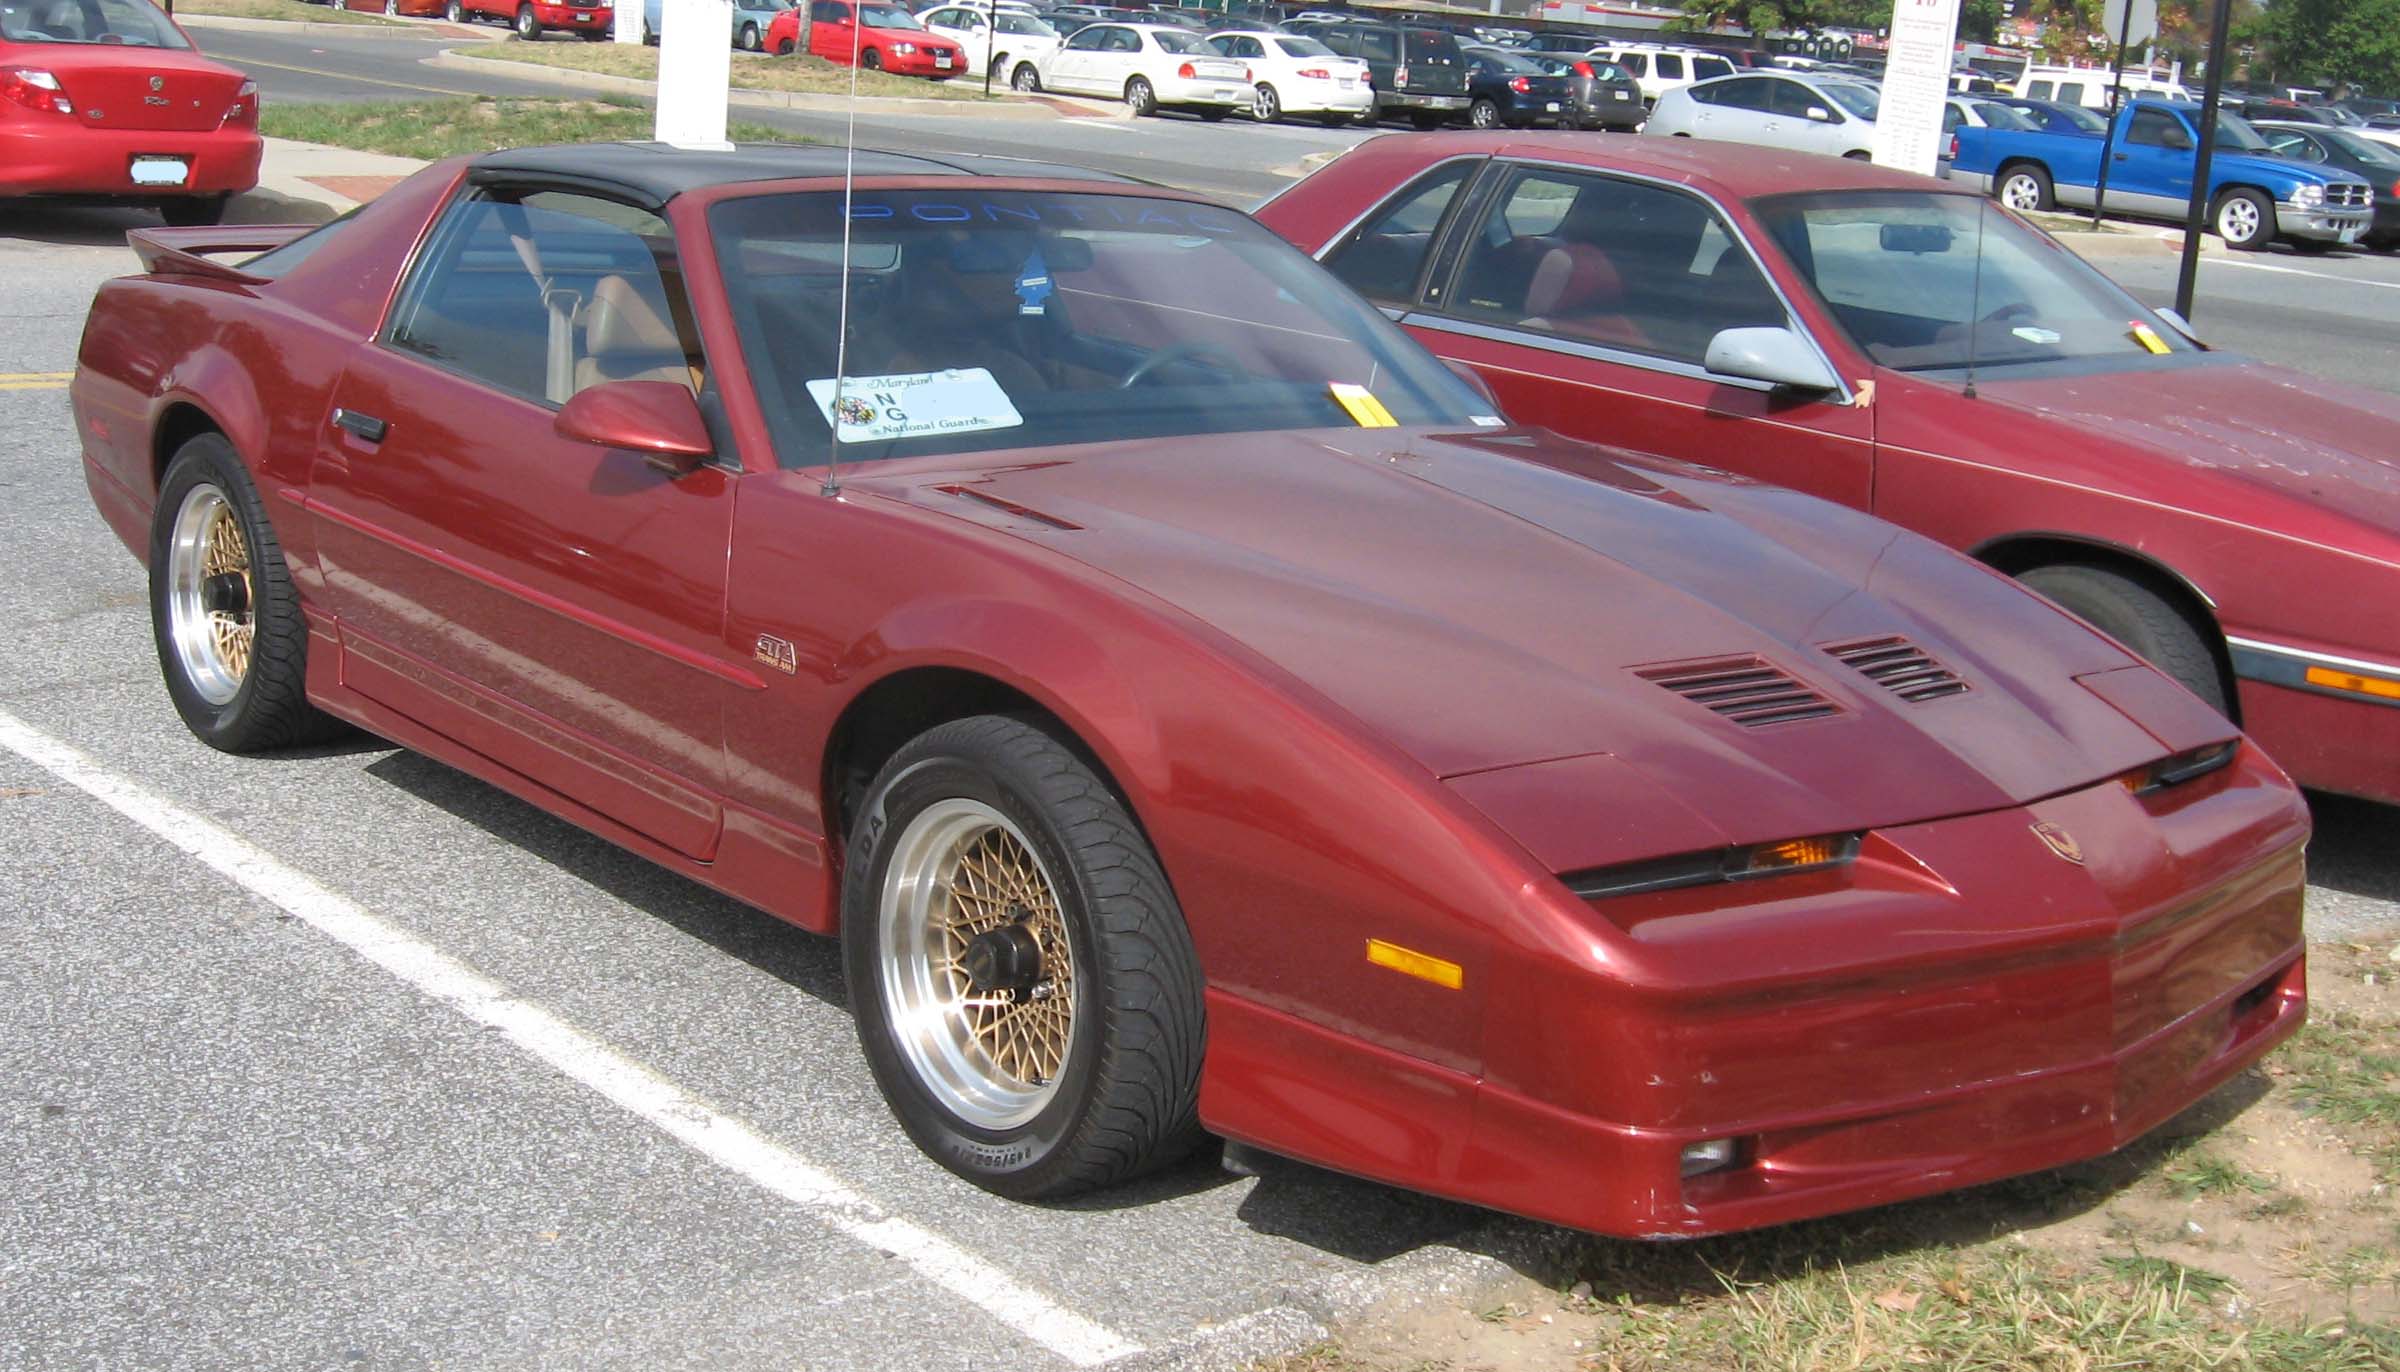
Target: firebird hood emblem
{"points": [[158, 83], [2059, 841]]}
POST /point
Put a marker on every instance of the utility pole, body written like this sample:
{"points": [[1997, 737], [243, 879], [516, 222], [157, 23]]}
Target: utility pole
{"points": [[2197, 217]]}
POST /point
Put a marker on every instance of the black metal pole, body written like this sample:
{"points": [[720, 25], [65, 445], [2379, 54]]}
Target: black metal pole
{"points": [[2116, 106], [2193, 221], [991, 36]]}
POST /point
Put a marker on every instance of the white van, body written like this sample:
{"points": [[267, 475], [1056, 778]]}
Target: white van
{"points": [[2089, 86], [1658, 68]]}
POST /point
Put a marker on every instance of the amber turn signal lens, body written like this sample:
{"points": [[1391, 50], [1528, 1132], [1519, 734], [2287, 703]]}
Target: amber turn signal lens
{"points": [[2355, 684], [1799, 852], [2177, 769]]}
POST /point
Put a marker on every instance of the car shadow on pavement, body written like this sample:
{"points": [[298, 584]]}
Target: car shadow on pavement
{"points": [[67, 224], [808, 962], [2356, 848]]}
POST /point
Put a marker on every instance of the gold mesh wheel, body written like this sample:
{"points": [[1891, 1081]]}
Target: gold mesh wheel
{"points": [[978, 964], [210, 595]]}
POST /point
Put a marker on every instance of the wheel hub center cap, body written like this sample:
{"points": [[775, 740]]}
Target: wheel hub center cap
{"points": [[1002, 959], [226, 593]]}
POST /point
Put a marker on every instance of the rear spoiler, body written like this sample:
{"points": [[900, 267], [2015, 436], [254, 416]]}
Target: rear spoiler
{"points": [[184, 252]]}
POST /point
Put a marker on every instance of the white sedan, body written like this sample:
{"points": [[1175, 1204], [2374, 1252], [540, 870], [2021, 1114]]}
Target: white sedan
{"points": [[1297, 75], [1016, 40], [1793, 110], [1150, 67]]}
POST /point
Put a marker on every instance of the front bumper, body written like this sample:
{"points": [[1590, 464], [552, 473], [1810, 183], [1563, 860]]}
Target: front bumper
{"points": [[2323, 223], [574, 16], [922, 63], [36, 159]]}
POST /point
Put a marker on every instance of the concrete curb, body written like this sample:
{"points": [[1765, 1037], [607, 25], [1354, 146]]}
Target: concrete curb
{"points": [[377, 29], [587, 81]]}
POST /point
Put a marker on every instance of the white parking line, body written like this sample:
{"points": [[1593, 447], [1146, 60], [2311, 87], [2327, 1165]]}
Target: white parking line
{"points": [[2303, 271], [720, 1138]]}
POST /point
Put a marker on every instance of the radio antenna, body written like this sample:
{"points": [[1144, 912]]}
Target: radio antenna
{"points": [[1975, 302], [841, 340]]}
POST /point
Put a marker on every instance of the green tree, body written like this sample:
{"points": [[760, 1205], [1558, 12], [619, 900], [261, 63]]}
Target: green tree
{"points": [[1762, 17], [2322, 42]]}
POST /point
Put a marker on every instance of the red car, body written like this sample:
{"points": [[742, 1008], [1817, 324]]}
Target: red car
{"points": [[412, 9], [593, 22], [1192, 709], [106, 98], [877, 37], [1826, 326]]}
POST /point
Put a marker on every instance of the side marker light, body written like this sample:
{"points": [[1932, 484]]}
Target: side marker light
{"points": [[1409, 962]]}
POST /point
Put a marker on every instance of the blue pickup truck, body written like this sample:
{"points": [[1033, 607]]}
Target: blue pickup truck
{"points": [[2254, 196]]}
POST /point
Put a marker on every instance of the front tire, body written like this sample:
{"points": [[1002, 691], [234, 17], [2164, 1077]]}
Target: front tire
{"points": [[1025, 79], [871, 60], [231, 643], [528, 27], [2245, 219], [1027, 992], [1139, 98], [2026, 190], [2137, 614]]}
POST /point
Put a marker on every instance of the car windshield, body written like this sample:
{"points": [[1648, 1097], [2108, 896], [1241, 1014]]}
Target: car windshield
{"points": [[127, 23], [2234, 134], [1927, 282], [887, 17], [1005, 319], [1303, 47], [2366, 150], [1860, 101], [1178, 40]]}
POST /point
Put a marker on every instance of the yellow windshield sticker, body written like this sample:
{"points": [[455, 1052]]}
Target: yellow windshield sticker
{"points": [[2148, 337], [1410, 962], [1364, 409]]}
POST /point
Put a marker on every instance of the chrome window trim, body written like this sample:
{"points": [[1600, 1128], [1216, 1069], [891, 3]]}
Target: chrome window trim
{"points": [[1572, 347], [1647, 361]]}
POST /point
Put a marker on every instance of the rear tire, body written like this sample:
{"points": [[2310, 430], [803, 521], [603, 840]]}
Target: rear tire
{"points": [[231, 643], [194, 211], [988, 843], [2137, 613], [1265, 105], [2245, 219], [2025, 189], [1025, 79], [455, 12], [1139, 98], [750, 38], [1483, 114]]}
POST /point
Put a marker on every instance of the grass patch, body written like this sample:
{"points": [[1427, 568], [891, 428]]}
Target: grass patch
{"points": [[2202, 1172], [2346, 1071], [431, 129], [1993, 1310], [290, 11], [799, 75]]}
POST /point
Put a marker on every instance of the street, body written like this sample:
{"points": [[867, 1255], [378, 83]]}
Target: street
{"points": [[343, 1058]]}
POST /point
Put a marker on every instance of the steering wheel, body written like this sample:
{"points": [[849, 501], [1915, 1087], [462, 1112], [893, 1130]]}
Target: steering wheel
{"points": [[1174, 352]]}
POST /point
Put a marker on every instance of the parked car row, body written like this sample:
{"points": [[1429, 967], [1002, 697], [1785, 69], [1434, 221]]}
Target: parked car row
{"points": [[1227, 718]]}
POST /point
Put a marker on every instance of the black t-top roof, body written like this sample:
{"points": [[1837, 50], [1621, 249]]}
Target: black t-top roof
{"points": [[657, 172]]}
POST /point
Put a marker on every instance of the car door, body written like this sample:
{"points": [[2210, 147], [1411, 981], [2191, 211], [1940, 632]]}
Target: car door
{"points": [[1587, 302], [1735, 111], [832, 31], [2153, 163], [1080, 60], [1805, 118], [555, 606]]}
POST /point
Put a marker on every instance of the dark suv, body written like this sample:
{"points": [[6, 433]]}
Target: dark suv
{"points": [[1418, 71]]}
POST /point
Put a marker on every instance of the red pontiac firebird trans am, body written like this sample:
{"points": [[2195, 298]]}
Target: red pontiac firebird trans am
{"points": [[1825, 326], [1193, 710], [106, 98]]}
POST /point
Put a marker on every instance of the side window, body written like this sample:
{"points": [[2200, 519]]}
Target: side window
{"points": [[543, 295], [2157, 129], [1248, 47], [1749, 93], [1951, 119], [2071, 92], [1623, 264], [1385, 255], [1637, 63], [1670, 66], [1792, 98], [1126, 40], [2040, 90], [1705, 67], [1086, 40]]}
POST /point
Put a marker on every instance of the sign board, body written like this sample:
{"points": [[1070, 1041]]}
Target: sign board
{"points": [[625, 24], [1916, 86], [2145, 21], [695, 69]]}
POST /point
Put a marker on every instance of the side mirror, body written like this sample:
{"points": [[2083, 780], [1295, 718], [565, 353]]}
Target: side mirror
{"points": [[1779, 357], [1475, 382], [2178, 140], [1820, 114], [658, 419]]}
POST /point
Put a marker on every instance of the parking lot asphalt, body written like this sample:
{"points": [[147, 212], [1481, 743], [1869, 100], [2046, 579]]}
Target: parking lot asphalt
{"points": [[345, 1059]]}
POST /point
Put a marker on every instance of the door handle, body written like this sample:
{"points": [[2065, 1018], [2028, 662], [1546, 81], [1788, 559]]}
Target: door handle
{"points": [[365, 426], [2124, 157]]}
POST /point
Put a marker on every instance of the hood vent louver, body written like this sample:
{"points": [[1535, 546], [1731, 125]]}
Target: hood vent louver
{"points": [[1747, 690], [1900, 667]]}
